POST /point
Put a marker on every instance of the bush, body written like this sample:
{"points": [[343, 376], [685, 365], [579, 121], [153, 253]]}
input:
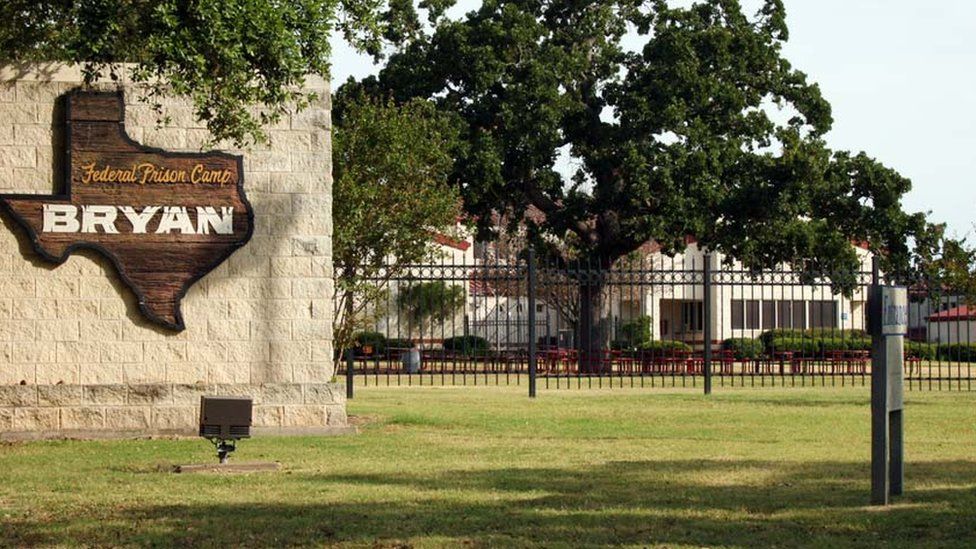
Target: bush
{"points": [[839, 344], [924, 351], [835, 333], [744, 348], [622, 345], [374, 340], [636, 332], [659, 347], [467, 345], [769, 336], [804, 346], [958, 352]]}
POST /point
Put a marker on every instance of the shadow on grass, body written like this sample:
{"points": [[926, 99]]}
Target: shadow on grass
{"points": [[710, 503]]}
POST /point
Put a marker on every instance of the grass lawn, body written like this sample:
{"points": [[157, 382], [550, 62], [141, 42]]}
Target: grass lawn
{"points": [[489, 467]]}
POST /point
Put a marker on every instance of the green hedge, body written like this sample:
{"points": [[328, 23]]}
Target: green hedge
{"points": [[804, 346], [958, 352], [662, 346], [924, 351], [375, 340], [744, 348], [636, 332], [468, 345]]}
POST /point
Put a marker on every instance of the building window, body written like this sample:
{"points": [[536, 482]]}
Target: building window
{"points": [[691, 316], [791, 315], [738, 314], [745, 314], [752, 314], [823, 314], [768, 315]]}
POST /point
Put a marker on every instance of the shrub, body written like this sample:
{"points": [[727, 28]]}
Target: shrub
{"points": [[744, 348], [840, 344], [804, 346], [660, 347], [769, 336], [958, 352], [467, 345], [637, 332], [924, 351], [835, 333], [622, 345], [374, 340]]}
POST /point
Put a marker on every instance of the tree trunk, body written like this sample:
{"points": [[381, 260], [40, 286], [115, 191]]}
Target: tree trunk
{"points": [[593, 357]]}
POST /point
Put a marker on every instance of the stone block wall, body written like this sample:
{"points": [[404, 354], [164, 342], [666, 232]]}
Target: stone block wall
{"points": [[76, 356]]}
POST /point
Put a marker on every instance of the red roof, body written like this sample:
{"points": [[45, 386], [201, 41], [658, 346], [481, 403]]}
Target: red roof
{"points": [[956, 313], [445, 240]]}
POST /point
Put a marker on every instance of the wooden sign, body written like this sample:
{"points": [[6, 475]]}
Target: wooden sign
{"points": [[164, 219]]}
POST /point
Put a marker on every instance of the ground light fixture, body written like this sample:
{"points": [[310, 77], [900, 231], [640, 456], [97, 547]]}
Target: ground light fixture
{"points": [[224, 421]]}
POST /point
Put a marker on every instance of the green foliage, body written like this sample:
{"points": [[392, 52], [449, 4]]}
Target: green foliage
{"points": [[841, 344], [660, 347], [958, 352], [744, 348], [918, 349], [241, 62], [390, 196], [780, 338], [636, 332], [467, 345], [804, 346], [433, 301], [374, 340], [690, 149]]}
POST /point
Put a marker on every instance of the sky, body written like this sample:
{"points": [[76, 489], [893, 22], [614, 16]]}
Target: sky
{"points": [[901, 77]]}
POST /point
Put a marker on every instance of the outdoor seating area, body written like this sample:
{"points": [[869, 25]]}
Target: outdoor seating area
{"points": [[566, 362]]}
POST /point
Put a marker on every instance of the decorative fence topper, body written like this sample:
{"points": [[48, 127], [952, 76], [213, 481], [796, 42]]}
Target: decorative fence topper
{"points": [[164, 219]]}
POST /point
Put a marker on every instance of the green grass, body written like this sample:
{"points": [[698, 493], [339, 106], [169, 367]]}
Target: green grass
{"points": [[489, 467]]}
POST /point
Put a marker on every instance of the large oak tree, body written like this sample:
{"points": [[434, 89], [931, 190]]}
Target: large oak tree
{"points": [[702, 129]]}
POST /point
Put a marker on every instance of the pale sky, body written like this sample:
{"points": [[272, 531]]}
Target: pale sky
{"points": [[901, 77]]}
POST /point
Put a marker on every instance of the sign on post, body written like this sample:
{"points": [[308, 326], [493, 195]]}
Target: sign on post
{"points": [[889, 325]]}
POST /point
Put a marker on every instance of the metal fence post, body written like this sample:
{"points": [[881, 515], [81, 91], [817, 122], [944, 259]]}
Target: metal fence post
{"points": [[350, 373], [707, 322], [532, 335]]}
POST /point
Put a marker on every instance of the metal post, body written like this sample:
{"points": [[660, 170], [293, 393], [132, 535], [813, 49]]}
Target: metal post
{"points": [[879, 402], [350, 373], [532, 335], [888, 309], [707, 323], [896, 472]]}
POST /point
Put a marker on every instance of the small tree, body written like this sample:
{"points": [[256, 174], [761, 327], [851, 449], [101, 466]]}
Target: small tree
{"points": [[390, 196], [427, 303]]}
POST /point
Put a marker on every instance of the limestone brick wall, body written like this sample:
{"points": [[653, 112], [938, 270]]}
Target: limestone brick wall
{"points": [[75, 354]]}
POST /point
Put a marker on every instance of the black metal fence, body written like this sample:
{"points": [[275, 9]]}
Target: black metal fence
{"points": [[689, 321]]}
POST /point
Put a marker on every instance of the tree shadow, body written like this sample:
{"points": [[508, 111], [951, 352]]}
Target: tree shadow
{"points": [[682, 502]]}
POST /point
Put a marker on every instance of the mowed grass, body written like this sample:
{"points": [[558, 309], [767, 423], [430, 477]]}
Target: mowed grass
{"points": [[490, 467]]}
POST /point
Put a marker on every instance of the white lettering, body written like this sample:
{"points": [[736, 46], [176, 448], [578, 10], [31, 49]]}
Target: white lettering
{"points": [[60, 218], [141, 219], [175, 218], [208, 218], [93, 217]]}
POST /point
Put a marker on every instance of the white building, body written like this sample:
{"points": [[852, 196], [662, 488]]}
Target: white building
{"points": [[953, 325]]}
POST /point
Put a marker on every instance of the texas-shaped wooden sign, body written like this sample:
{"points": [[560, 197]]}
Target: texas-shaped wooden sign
{"points": [[164, 219]]}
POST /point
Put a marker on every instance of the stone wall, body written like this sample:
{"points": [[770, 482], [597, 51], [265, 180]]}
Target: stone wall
{"points": [[76, 356]]}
